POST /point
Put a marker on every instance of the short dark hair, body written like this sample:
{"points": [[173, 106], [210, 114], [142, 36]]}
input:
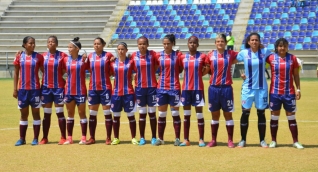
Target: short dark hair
{"points": [[145, 38], [101, 40], [26, 39]]}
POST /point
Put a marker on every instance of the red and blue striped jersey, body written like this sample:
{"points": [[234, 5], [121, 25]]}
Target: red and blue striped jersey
{"points": [[193, 66], [29, 70], [75, 69], [122, 72], [254, 66], [144, 66], [100, 71], [220, 67], [53, 70], [169, 65], [282, 70]]}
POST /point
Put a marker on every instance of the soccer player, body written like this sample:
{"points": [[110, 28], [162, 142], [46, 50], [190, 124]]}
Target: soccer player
{"points": [[220, 91], [284, 67], [254, 87], [53, 89], [193, 64], [99, 89], [145, 87], [75, 89], [123, 96], [26, 88], [168, 89]]}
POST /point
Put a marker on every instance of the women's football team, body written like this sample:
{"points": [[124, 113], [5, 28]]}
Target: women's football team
{"points": [[149, 92]]}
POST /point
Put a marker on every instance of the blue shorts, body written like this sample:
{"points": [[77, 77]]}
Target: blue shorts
{"points": [[145, 96], [99, 97], [221, 97], [259, 96], [288, 101], [192, 97], [126, 101], [165, 97], [50, 95], [79, 99], [29, 97]]}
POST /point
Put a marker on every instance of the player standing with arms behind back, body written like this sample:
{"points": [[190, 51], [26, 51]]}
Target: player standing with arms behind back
{"points": [[99, 89], [27, 89], [284, 67], [168, 89], [193, 64], [145, 87], [75, 89]]}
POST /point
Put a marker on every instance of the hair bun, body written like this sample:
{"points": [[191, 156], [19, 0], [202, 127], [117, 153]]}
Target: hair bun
{"points": [[76, 39]]}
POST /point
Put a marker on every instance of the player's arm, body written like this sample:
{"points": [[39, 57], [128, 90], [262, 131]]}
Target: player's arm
{"points": [[206, 67], [234, 54], [297, 82], [15, 80]]}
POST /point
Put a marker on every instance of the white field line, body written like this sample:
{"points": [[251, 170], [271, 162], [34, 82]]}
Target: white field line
{"points": [[194, 121]]}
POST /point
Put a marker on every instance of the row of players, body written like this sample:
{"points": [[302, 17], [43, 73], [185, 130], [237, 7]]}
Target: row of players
{"points": [[149, 93]]}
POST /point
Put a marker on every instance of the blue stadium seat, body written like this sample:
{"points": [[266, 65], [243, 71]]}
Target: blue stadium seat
{"points": [[207, 36], [314, 39], [216, 30], [266, 10], [194, 23], [267, 34], [169, 23], [306, 46], [273, 10], [258, 16], [166, 30], [249, 28], [316, 26], [252, 16], [291, 46], [298, 15], [272, 40], [287, 34], [305, 14], [185, 30], [302, 33], [188, 35], [213, 35], [172, 30], [269, 22], [304, 21], [312, 15], [292, 10], [178, 30], [277, 15], [255, 28], [121, 36], [201, 36], [191, 30], [124, 30], [135, 30], [276, 22], [275, 27], [219, 17], [127, 36], [115, 36], [291, 15], [118, 30], [265, 41], [298, 46], [273, 34], [283, 21], [300, 39], [311, 21], [177, 36], [181, 24], [121, 24], [313, 46], [224, 22], [295, 33], [196, 17], [268, 28], [295, 28], [187, 23], [175, 23], [284, 15], [310, 27], [288, 28], [290, 21], [308, 33], [205, 23], [209, 30], [257, 21], [270, 47], [197, 30], [307, 40], [232, 16], [293, 40], [182, 35], [158, 36]]}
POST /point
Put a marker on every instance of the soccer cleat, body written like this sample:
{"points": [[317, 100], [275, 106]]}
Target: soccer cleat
{"points": [[90, 141], [201, 143], [142, 141], [35, 142], [273, 144], [68, 142], [230, 144], [159, 142], [212, 143], [62, 141], [43, 141], [153, 141], [82, 142], [241, 144], [177, 142], [134, 141], [108, 142], [185, 143], [115, 141], [298, 145], [264, 144], [20, 142]]}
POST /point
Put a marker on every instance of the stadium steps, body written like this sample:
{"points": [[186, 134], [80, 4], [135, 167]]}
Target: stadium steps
{"points": [[240, 22], [65, 19]]}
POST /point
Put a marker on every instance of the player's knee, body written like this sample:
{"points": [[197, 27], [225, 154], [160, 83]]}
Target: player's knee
{"points": [[175, 113], [116, 114], [106, 112], [151, 109], [92, 112], [130, 114], [162, 114], [199, 115], [143, 110], [187, 112], [59, 109], [47, 110]]}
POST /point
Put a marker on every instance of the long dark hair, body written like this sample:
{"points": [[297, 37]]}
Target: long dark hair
{"points": [[26, 39], [249, 37], [278, 41], [171, 38]]}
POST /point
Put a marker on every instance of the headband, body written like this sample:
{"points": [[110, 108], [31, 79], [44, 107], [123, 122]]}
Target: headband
{"points": [[74, 44]]}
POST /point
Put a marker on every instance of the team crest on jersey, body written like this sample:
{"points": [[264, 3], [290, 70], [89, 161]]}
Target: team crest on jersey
{"points": [[115, 66], [46, 57], [212, 58], [185, 60], [80, 63], [67, 63], [161, 58], [274, 62], [65, 99]]}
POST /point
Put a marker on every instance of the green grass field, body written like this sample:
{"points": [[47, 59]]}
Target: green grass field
{"points": [[128, 157]]}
